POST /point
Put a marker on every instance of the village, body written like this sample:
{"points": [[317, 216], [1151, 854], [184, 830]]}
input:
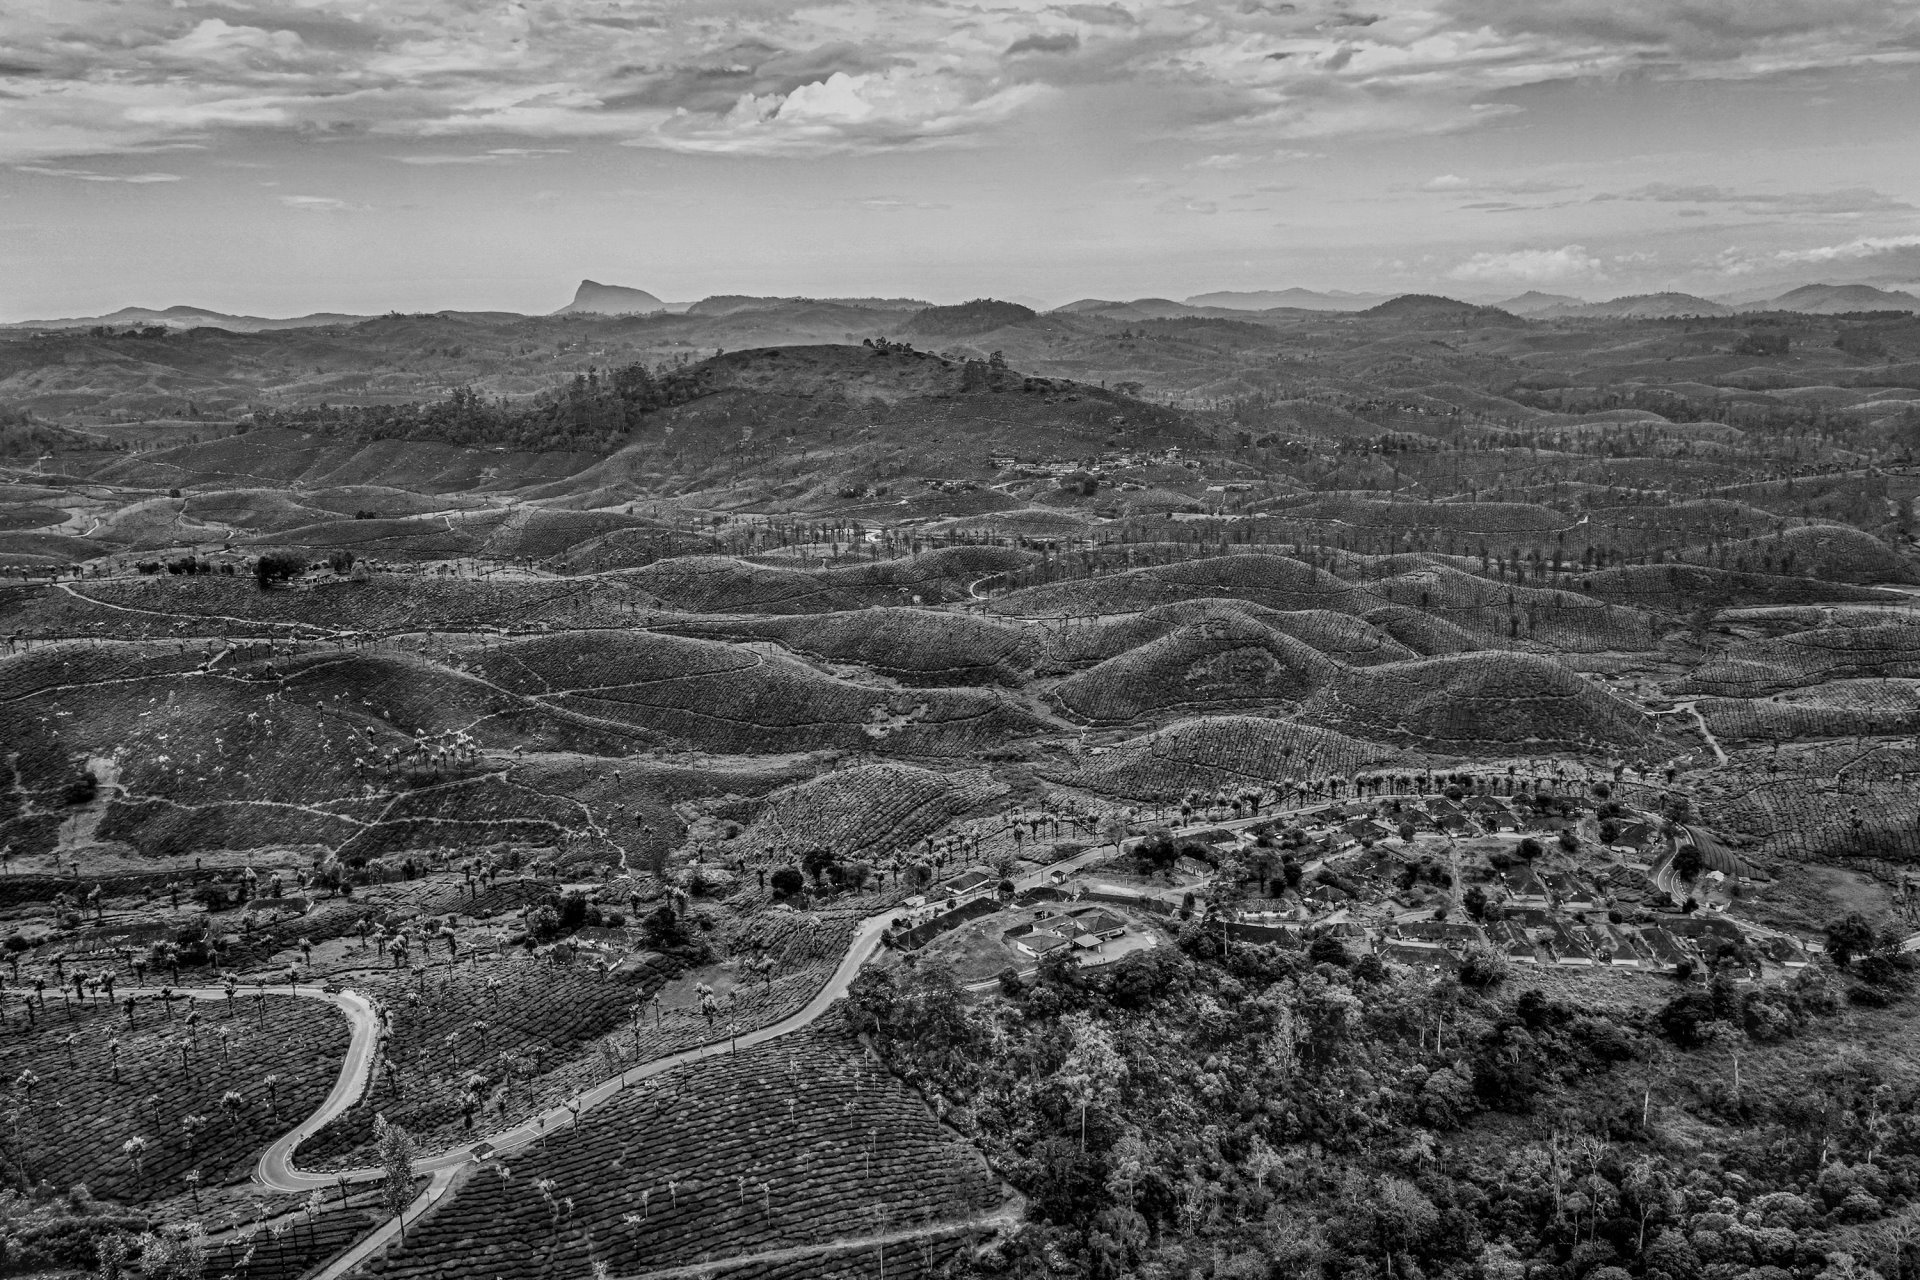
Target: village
{"points": [[1431, 882]]}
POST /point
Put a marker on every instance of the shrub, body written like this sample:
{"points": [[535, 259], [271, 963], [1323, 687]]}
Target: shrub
{"points": [[278, 566], [1327, 949], [82, 788], [213, 895], [543, 923]]}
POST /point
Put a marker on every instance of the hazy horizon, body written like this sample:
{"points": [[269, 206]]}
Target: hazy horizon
{"points": [[279, 160]]}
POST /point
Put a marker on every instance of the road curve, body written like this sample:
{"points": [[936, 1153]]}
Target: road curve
{"points": [[276, 1171]]}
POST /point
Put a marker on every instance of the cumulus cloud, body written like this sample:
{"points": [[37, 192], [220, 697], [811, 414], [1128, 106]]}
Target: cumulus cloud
{"points": [[787, 76], [1530, 266], [494, 155], [320, 204], [1058, 42], [1841, 201], [1852, 251], [89, 175], [897, 108]]}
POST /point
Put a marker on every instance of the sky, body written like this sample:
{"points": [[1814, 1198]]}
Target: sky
{"points": [[369, 155]]}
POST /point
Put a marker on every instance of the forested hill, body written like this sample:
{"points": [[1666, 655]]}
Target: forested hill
{"points": [[593, 413]]}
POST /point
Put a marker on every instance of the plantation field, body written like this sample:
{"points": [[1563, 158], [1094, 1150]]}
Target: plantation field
{"points": [[1481, 704], [724, 698], [1834, 709], [799, 1143], [866, 811], [1278, 582], [1222, 660], [1339, 636], [913, 646], [507, 1024], [74, 1122], [651, 700], [1219, 752]]}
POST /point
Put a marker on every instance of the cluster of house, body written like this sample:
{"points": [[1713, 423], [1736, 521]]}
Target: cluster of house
{"points": [[1539, 936], [1081, 929], [1060, 920], [1342, 825], [1539, 914]]}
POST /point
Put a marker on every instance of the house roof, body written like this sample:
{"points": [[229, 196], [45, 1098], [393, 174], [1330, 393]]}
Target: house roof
{"points": [[972, 878], [1096, 920]]}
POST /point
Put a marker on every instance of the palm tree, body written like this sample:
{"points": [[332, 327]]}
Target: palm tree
{"points": [[190, 1126], [135, 1150]]}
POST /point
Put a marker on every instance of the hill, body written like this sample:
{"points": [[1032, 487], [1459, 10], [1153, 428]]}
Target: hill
{"points": [[1533, 302], [982, 315], [1836, 299], [1300, 299], [188, 318], [1430, 308], [1643, 306], [594, 298]]}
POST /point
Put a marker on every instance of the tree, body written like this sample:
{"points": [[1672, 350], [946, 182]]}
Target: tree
{"points": [[1688, 864], [274, 567], [396, 1151], [177, 1252], [1482, 967], [1093, 1070], [815, 862], [788, 881], [1849, 938]]}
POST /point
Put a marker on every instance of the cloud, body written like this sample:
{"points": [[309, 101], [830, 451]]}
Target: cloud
{"points": [[1865, 248], [805, 77], [1060, 42], [497, 155], [1530, 266], [321, 204], [1453, 182], [1842, 201], [88, 175], [886, 110], [893, 204]]}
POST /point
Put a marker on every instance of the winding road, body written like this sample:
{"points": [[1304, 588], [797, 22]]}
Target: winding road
{"points": [[276, 1171]]}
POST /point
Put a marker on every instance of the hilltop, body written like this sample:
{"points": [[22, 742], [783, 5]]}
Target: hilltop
{"points": [[611, 300]]}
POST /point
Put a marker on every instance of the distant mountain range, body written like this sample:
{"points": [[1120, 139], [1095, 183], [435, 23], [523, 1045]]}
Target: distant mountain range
{"points": [[1809, 299], [190, 318], [593, 298]]}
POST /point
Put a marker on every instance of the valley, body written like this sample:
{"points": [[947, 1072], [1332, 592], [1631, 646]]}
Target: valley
{"points": [[829, 788]]}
